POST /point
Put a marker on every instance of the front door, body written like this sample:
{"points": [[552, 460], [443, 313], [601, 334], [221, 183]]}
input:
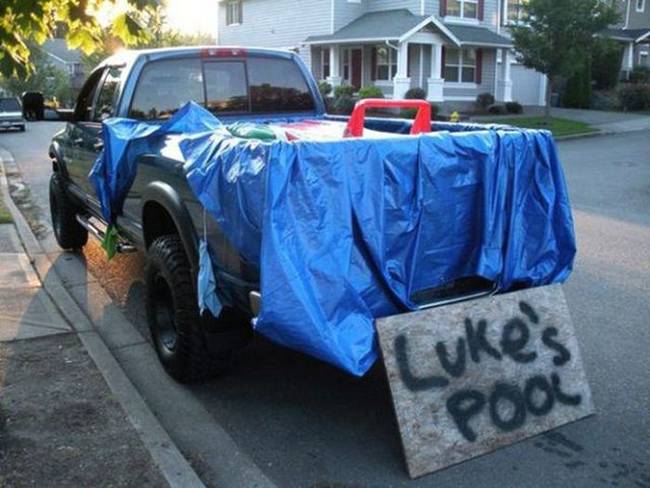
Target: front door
{"points": [[356, 62]]}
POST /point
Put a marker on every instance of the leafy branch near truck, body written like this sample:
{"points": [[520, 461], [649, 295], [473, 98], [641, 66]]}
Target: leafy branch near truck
{"points": [[22, 23]]}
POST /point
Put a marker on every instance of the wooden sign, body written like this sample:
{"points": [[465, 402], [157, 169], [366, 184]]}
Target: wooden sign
{"points": [[469, 378]]}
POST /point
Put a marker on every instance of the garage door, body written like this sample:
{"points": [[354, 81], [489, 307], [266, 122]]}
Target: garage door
{"points": [[526, 84]]}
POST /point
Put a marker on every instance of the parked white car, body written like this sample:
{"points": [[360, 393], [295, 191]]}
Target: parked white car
{"points": [[11, 114]]}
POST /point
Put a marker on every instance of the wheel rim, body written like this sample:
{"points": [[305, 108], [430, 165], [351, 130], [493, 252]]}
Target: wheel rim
{"points": [[164, 314]]}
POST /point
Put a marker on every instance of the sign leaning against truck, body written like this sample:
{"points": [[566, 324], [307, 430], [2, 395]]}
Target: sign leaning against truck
{"points": [[472, 377]]}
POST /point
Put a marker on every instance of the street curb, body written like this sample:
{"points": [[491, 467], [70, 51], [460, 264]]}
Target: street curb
{"points": [[172, 465]]}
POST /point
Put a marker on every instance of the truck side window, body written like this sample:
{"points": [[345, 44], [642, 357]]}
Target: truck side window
{"points": [[84, 105], [106, 103], [165, 86], [226, 86], [278, 85]]}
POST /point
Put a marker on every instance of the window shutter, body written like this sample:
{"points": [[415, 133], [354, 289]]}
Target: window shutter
{"points": [[479, 66], [481, 9], [373, 67], [443, 8]]}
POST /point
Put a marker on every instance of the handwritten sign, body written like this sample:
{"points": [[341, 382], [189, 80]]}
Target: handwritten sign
{"points": [[469, 378]]}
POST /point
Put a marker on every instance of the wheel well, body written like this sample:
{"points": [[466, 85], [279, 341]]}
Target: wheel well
{"points": [[156, 222]]}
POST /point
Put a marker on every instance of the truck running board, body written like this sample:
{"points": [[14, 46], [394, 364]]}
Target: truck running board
{"points": [[99, 234]]}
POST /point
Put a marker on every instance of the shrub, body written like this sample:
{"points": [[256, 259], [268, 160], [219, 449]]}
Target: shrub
{"points": [[371, 92], [415, 94], [640, 74], [634, 96], [514, 108], [496, 109], [344, 90], [484, 101], [607, 55], [324, 88], [344, 105], [409, 113], [604, 100], [578, 88]]}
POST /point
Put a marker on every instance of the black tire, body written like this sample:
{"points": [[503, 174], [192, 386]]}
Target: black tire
{"points": [[173, 315], [68, 232], [21, 128]]}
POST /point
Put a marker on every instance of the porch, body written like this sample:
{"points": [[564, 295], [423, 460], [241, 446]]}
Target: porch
{"points": [[397, 51]]}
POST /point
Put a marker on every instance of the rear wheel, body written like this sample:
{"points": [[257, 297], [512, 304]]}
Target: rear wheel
{"points": [[173, 315], [68, 232]]}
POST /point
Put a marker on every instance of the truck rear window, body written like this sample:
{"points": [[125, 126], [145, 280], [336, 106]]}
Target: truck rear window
{"points": [[232, 86]]}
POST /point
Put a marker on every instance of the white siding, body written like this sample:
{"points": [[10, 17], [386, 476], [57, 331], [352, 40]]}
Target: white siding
{"points": [[277, 23], [412, 5]]}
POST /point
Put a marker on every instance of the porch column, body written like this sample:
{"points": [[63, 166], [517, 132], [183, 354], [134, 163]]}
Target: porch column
{"points": [[435, 82], [628, 59], [401, 82], [504, 85], [334, 78]]}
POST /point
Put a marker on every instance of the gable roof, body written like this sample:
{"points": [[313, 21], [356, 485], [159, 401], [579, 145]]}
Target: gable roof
{"points": [[630, 35], [58, 48], [400, 24]]}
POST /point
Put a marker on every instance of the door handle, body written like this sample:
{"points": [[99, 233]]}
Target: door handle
{"points": [[77, 141], [98, 146]]}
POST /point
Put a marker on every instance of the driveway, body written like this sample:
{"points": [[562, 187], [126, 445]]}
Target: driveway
{"points": [[305, 424]]}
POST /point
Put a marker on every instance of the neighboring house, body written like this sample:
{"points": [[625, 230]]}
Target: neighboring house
{"points": [[633, 32], [67, 60], [453, 49]]}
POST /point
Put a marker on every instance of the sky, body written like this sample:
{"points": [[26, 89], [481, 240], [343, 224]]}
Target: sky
{"points": [[186, 16], [193, 16]]}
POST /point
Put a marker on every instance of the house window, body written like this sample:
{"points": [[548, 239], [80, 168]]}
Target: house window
{"points": [[386, 67], [347, 53], [464, 9], [234, 12], [515, 11], [460, 66], [325, 63], [640, 5]]}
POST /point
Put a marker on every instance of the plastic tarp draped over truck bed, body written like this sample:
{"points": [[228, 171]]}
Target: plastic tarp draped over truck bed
{"points": [[346, 231]]}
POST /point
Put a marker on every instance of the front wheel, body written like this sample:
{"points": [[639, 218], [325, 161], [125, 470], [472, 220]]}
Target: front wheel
{"points": [[173, 315], [69, 233]]}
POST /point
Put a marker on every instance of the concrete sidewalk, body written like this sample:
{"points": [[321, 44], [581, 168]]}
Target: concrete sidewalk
{"points": [[55, 407], [64, 399]]}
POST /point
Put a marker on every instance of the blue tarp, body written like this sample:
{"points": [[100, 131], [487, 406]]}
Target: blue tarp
{"points": [[346, 231]]}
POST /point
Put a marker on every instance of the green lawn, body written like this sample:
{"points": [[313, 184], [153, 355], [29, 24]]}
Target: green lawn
{"points": [[5, 216], [559, 127]]}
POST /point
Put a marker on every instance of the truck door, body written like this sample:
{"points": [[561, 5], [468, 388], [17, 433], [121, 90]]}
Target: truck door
{"points": [[87, 137]]}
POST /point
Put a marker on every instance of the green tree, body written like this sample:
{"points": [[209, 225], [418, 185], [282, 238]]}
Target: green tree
{"points": [[606, 63], [22, 22], [159, 35], [557, 36], [53, 82]]}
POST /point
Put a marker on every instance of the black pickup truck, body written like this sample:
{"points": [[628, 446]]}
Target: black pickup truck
{"points": [[478, 224], [161, 217]]}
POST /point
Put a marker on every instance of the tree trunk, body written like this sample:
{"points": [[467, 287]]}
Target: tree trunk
{"points": [[547, 107]]}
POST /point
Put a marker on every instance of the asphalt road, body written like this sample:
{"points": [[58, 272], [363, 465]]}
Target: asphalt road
{"points": [[306, 424]]}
